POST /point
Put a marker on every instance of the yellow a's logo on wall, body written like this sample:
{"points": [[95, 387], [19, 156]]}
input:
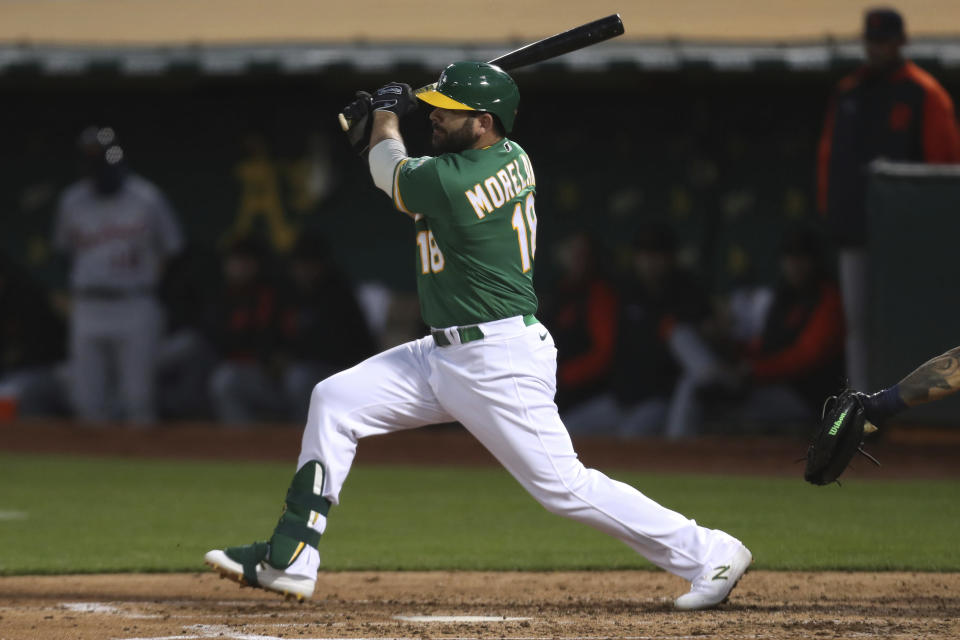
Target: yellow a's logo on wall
{"points": [[274, 193]]}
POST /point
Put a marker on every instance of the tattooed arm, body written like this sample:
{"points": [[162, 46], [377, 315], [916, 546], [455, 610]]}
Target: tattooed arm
{"points": [[934, 379]]}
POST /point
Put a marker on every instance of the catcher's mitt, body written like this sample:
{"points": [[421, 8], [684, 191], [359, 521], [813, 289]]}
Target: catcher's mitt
{"points": [[843, 426]]}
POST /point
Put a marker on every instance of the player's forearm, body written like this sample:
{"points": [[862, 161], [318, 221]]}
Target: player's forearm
{"points": [[385, 125], [934, 379]]}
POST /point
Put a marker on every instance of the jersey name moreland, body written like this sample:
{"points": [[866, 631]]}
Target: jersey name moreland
{"points": [[476, 230]]}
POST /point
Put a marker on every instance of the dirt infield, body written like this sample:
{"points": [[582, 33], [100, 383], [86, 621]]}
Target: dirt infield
{"points": [[530, 606]]}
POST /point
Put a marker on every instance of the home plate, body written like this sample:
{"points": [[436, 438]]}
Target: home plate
{"points": [[457, 619]]}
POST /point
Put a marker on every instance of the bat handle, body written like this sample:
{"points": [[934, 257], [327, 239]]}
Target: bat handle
{"points": [[343, 122]]}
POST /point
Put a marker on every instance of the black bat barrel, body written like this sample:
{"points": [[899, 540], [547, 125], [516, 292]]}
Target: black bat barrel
{"points": [[561, 43]]}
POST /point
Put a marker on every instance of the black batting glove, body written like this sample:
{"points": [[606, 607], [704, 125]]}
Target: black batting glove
{"points": [[357, 109], [396, 97], [359, 123]]}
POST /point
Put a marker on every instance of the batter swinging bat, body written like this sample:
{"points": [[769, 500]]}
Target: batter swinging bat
{"points": [[556, 45]]}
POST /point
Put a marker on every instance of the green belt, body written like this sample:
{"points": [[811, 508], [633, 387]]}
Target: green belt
{"points": [[472, 332]]}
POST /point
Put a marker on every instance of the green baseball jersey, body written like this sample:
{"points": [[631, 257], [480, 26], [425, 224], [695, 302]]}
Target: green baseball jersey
{"points": [[476, 230]]}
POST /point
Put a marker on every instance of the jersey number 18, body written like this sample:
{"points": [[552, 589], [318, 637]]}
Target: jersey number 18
{"points": [[528, 245], [524, 222]]}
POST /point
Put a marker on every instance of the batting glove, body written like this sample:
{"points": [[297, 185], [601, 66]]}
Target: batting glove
{"points": [[359, 123], [396, 97]]}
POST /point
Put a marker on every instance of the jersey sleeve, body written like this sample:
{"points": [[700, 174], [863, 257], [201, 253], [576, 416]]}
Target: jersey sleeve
{"points": [[941, 138], [417, 187]]}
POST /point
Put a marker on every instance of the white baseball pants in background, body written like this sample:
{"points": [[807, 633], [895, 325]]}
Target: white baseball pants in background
{"points": [[118, 336], [501, 388], [854, 281]]}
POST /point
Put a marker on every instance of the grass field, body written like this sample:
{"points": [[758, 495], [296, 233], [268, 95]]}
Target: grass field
{"points": [[77, 515]]}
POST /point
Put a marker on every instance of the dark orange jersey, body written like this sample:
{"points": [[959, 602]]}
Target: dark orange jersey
{"points": [[904, 116], [802, 341], [803, 334]]}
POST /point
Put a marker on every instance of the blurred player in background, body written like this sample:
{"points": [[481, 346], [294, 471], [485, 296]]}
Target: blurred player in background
{"points": [[118, 231], [889, 108], [662, 359], [322, 328], [487, 363], [278, 337], [581, 311], [242, 325], [797, 357]]}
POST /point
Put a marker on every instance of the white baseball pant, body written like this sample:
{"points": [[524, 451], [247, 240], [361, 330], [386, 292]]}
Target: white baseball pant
{"points": [[501, 389]]}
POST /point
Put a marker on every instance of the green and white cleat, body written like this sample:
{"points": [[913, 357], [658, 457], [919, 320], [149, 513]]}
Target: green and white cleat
{"points": [[289, 562], [248, 565]]}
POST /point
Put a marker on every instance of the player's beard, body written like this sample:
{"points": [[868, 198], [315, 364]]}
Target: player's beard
{"points": [[454, 141]]}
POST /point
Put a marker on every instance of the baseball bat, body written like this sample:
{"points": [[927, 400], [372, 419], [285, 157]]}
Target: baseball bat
{"points": [[561, 43], [556, 45]]}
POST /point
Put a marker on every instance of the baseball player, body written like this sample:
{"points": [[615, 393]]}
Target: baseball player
{"points": [[488, 363], [888, 108], [118, 230]]}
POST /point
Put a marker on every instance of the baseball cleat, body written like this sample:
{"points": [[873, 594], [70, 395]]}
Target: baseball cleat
{"points": [[247, 566], [713, 586]]}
